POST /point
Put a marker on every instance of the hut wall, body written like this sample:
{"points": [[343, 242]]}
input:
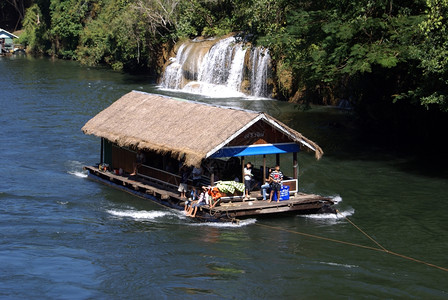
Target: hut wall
{"points": [[123, 158], [260, 133], [107, 152]]}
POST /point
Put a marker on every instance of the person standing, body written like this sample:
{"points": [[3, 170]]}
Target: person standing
{"points": [[247, 180], [139, 160], [196, 177], [183, 187], [276, 177]]}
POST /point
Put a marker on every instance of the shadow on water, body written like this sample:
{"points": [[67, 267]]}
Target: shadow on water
{"points": [[341, 138]]}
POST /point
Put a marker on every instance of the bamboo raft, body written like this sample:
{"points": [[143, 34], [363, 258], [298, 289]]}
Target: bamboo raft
{"points": [[229, 209]]}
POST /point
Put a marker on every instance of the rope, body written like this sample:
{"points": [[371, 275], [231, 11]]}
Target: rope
{"points": [[319, 237], [390, 252], [370, 238], [381, 249]]}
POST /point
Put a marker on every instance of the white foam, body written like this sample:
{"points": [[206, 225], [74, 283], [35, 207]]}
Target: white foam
{"points": [[338, 265], [332, 216], [76, 168], [139, 214], [144, 215], [78, 174], [337, 199], [241, 223], [212, 91]]}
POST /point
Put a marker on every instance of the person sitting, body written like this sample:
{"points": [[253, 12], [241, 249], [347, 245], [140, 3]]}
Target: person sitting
{"points": [[215, 195], [194, 193], [276, 177], [266, 186], [187, 206], [202, 200]]}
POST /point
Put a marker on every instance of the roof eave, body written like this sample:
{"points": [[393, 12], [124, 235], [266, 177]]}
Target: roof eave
{"points": [[272, 122], [234, 135]]}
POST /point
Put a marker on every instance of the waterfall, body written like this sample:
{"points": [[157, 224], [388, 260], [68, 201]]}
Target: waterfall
{"points": [[237, 68], [259, 71], [219, 68]]}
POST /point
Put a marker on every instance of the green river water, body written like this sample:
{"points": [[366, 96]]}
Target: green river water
{"points": [[63, 236]]}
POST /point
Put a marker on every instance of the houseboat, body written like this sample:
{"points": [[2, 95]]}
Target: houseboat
{"points": [[151, 144], [6, 42]]}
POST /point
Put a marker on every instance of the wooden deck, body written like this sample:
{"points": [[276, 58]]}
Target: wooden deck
{"points": [[229, 209], [300, 204]]}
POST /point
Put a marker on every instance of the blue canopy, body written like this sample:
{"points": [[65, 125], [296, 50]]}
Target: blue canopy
{"points": [[257, 150]]}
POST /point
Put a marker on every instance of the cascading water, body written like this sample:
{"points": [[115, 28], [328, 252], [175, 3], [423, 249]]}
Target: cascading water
{"points": [[222, 68], [237, 68], [259, 71]]}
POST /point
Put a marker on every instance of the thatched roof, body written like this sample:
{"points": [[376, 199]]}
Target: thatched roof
{"points": [[179, 127]]}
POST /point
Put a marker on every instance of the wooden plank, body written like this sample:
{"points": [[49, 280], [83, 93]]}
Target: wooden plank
{"points": [[126, 181], [300, 202]]}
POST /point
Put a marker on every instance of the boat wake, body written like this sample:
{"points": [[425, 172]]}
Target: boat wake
{"points": [[332, 216], [337, 199], [76, 168], [143, 215], [78, 174], [338, 265], [341, 214], [241, 223]]}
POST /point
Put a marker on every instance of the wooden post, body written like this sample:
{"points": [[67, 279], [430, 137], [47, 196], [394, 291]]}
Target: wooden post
{"points": [[295, 165], [102, 151], [242, 169], [264, 168]]}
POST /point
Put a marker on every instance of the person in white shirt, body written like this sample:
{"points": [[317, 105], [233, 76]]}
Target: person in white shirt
{"points": [[247, 180]]}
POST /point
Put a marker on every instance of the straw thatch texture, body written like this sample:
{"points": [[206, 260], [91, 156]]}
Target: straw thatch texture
{"points": [[165, 125], [300, 139]]}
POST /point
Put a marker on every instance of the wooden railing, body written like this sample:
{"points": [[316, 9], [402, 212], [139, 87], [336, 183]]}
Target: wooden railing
{"points": [[159, 176], [293, 185]]}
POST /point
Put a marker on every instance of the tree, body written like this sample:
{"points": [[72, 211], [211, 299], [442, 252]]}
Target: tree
{"points": [[330, 46], [35, 35], [433, 53], [159, 14], [19, 7], [67, 20]]}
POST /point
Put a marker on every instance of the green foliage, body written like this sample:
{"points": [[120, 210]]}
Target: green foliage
{"points": [[67, 18], [433, 55], [204, 17], [370, 51], [259, 17], [331, 45], [35, 35], [193, 18]]}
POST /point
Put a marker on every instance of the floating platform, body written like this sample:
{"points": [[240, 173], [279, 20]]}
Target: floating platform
{"points": [[144, 133], [228, 209]]}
